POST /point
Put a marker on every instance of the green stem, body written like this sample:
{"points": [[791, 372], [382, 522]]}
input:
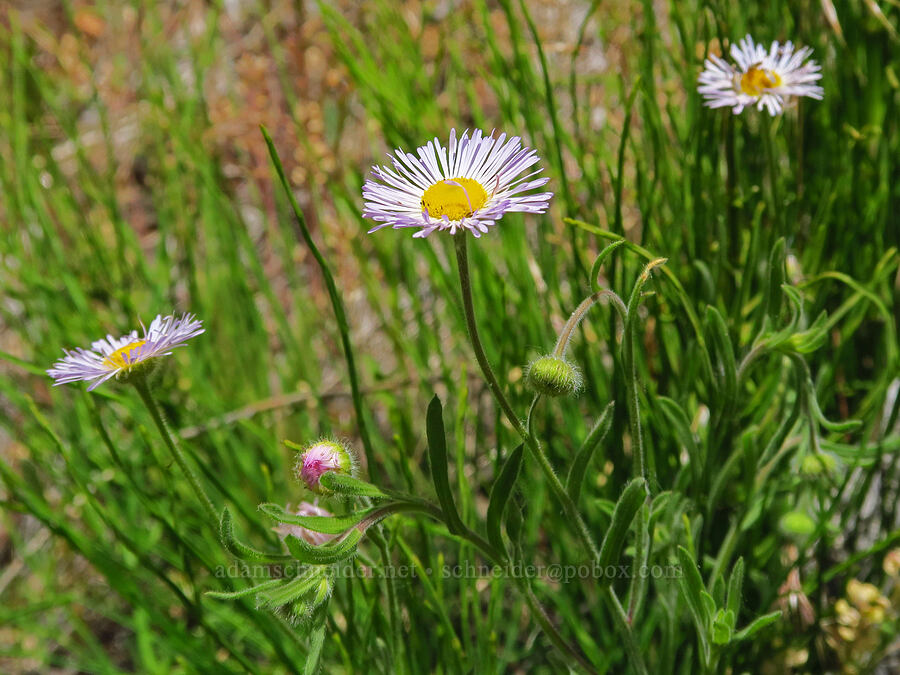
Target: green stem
{"points": [[143, 390], [498, 558], [393, 604], [337, 305], [624, 625], [772, 169], [534, 447], [537, 452], [633, 404], [546, 624], [465, 282], [562, 343], [629, 337]]}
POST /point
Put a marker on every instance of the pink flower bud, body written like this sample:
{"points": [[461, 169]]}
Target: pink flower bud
{"points": [[321, 457]]}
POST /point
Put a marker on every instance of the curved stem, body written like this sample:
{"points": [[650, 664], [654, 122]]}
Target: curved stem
{"points": [[530, 419], [143, 390], [562, 344], [531, 442], [534, 447], [465, 282], [631, 376]]}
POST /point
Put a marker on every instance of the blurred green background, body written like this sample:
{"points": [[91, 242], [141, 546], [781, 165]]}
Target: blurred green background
{"points": [[134, 181]]}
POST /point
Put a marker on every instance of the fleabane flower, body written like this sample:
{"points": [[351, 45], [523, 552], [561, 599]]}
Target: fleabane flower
{"points": [[469, 185], [761, 78], [321, 457], [125, 356]]}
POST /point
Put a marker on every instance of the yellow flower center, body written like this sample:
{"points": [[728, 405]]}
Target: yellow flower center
{"points": [[121, 358], [456, 198], [756, 80]]}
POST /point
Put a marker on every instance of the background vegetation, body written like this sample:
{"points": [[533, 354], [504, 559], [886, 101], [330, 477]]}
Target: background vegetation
{"points": [[134, 181]]}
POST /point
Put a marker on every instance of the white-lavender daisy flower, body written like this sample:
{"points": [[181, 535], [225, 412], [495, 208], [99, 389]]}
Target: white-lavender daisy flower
{"points": [[116, 357], [469, 185], [758, 77]]}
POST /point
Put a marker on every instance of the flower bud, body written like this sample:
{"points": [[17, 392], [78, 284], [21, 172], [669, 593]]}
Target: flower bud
{"points": [[320, 457], [818, 463], [554, 376]]}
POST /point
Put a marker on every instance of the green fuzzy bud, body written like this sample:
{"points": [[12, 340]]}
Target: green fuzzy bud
{"points": [[554, 376], [797, 524]]}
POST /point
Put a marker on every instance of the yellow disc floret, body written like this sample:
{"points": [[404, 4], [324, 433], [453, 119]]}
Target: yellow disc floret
{"points": [[122, 357], [756, 80], [456, 198]]}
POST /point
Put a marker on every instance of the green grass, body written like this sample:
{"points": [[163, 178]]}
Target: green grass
{"points": [[740, 364]]}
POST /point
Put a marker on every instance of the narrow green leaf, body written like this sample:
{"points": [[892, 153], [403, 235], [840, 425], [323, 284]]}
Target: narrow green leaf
{"points": [[316, 641], [239, 549], [776, 340], [692, 587], [293, 589], [772, 297], [719, 334], [24, 365], [323, 592], [757, 625], [324, 524], [718, 591], [643, 544], [326, 553], [661, 502], [232, 595], [578, 470], [348, 485], [618, 224], [337, 305], [681, 425], [437, 457], [500, 493], [722, 627], [709, 607], [294, 446], [735, 583], [629, 502], [514, 521], [809, 340]]}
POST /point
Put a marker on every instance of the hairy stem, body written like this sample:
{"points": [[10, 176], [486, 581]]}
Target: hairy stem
{"points": [[555, 484], [537, 452], [143, 390]]}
